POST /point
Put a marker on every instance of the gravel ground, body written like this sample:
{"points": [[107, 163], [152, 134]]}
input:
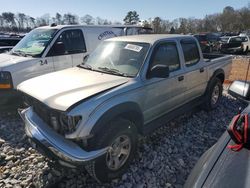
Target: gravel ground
{"points": [[164, 159]]}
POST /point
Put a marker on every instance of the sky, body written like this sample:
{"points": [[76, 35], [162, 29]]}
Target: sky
{"points": [[115, 10]]}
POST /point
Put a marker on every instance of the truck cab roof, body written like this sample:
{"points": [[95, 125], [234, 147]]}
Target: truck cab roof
{"points": [[149, 38]]}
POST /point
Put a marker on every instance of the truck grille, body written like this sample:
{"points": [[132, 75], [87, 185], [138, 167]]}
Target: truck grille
{"points": [[48, 115]]}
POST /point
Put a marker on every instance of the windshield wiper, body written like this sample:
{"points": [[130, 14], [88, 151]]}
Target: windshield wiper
{"points": [[86, 66], [112, 71], [19, 53]]}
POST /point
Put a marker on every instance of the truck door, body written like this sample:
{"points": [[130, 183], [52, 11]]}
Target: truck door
{"points": [[68, 43], [78, 47], [196, 72], [164, 94]]}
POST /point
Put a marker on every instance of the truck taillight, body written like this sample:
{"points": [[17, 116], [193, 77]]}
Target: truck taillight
{"points": [[204, 42]]}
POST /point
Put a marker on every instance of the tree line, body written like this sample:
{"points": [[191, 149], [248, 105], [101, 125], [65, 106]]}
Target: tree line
{"points": [[229, 20], [21, 22]]}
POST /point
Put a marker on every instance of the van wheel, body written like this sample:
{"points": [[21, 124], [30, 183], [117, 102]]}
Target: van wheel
{"points": [[213, 95], [121, 136]]}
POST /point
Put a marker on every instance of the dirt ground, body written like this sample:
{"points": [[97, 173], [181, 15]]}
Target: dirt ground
{"points": [[240, 68]]}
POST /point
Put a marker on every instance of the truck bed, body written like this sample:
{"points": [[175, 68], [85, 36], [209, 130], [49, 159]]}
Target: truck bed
{"points": [[209, 57]]}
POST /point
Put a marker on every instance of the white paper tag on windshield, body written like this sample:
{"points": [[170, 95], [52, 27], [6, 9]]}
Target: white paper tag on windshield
{"points": [[133, 47]]}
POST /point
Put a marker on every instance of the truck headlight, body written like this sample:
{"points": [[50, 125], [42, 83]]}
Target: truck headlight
{"points": [[5, 80], [69, 123]]}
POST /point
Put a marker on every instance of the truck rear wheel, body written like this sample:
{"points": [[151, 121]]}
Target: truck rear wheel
{"points": [[213, 94], [121, 137]]}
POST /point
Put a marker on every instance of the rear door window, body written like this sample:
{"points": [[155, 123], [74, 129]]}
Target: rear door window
{"points": [[191, 52]]}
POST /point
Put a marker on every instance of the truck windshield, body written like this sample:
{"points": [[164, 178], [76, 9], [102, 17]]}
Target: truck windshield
{"points": [[118, 58], [34, 43]]}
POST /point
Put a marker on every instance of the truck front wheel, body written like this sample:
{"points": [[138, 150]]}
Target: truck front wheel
{"points": [[213, 94], [121, 136]]}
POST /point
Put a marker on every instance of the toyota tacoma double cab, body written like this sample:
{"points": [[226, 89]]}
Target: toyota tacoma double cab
{"points": [[91, 115]]}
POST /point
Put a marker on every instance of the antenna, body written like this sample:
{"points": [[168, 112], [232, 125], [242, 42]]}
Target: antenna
{"points": [[53, 25]]}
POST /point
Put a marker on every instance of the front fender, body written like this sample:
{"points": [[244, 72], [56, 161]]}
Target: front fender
{"points": [[104, 114]]}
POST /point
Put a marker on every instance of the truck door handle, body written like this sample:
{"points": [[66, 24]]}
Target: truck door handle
{"points": [[202, 70], [43, 62], [180, 78]]}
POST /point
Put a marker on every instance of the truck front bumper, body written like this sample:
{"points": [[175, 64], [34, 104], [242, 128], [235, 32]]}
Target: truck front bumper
{"points": [[54, 145], [9, 97]]}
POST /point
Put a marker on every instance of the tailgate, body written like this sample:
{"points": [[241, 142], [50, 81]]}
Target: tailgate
{"points": [[221, 63]]}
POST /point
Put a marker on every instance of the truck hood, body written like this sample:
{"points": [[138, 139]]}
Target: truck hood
{"points": [[8, 59], [60, 90]]}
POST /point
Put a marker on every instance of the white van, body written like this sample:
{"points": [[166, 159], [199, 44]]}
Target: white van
{"points": [[53, 48]]}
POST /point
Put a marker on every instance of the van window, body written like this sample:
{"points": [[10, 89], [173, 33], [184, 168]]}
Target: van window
{"points": [[69, 42], [166, 54], [191, 52]]}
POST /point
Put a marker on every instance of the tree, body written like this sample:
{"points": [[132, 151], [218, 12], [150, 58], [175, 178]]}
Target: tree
{"points": [[131, 18], [172, 30], [99, 21], [156, 23], [1, 21], [106, 22], [9, 18], [32, 22], [228, 19], [88, 20], [183, 25], [58, 18], [70, 19], [145, 23], [21, 18]]}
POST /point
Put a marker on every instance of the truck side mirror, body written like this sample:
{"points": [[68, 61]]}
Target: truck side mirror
{"points": [[59, 48], [240, 90], [85, 58], [159, 71]]}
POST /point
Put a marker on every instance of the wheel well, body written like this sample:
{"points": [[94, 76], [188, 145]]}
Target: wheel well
{"points": [[129, 111], [221, 76], [135, 118]]}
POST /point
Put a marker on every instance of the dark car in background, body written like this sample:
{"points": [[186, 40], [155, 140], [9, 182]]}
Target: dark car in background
{"points": [[4, 49], [7, 43], [209, 42]]}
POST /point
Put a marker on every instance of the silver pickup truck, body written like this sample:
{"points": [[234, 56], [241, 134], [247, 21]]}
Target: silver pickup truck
{"points": [[91, 115]]}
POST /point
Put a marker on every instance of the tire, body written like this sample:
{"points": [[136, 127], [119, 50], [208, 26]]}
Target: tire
{"points": [[213, 95], [210, 49], [119, 130], [246, 52]]}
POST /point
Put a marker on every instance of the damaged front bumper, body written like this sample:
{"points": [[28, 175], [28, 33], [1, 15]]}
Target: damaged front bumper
{"points": [[54, 145]]}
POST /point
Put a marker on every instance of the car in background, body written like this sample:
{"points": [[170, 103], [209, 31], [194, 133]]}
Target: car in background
{"points": [[208, 41], [220, 166], [4, 49], [9, 41], [236, 44], [52, 48], [224, 39]]}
